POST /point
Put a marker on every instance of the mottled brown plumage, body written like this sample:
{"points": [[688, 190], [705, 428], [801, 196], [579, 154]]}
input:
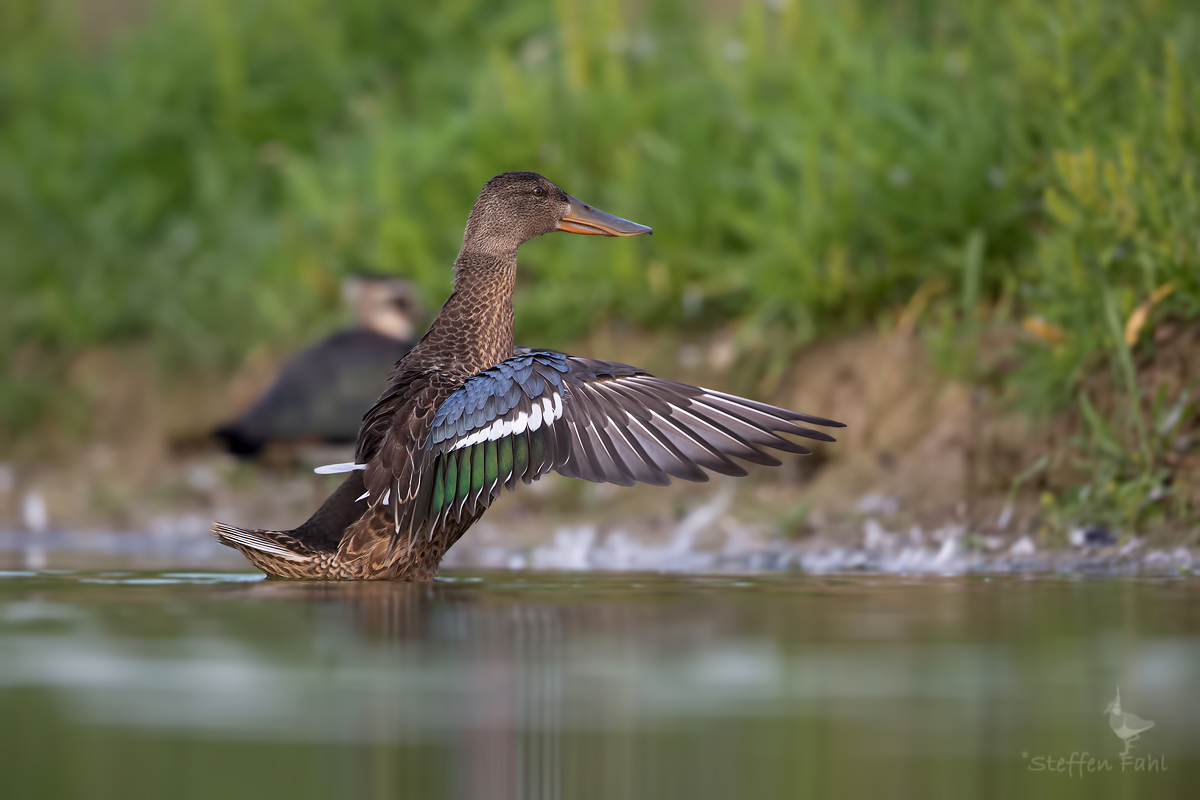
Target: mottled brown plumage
{"points": [[465, 415]]}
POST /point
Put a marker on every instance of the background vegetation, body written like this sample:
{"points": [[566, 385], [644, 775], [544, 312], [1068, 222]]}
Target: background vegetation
{"points": [[202, 180]]}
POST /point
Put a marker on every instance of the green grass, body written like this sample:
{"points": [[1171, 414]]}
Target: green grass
{"points": [[202, 182]]}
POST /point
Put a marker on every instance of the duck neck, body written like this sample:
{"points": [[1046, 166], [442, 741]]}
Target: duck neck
{"points": [[474, 329]]}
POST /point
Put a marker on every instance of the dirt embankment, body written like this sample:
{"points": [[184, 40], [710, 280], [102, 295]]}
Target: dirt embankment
{"points": [[920, 451], [948, 450]]}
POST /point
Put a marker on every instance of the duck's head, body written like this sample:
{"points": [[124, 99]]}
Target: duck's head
{"points": [[388, 306], [515, 207]]}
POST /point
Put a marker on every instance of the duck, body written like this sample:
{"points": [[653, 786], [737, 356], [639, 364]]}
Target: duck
{"points": [[466, 414], [322, 392]]}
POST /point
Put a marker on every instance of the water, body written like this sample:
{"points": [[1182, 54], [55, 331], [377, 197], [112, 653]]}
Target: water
{"points": [[162, 684]]}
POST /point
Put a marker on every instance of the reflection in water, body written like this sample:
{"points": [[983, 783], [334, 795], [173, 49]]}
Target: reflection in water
{"points": [[136, 684]]}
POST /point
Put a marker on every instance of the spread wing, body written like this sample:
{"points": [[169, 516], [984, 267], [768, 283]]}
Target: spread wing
{"points": [[597, 420]]}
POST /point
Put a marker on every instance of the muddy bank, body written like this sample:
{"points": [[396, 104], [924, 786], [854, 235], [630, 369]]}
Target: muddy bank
{"points": [[922, 479]]}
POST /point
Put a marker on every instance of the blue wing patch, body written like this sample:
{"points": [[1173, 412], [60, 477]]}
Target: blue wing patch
{"points": [[494, 392]]}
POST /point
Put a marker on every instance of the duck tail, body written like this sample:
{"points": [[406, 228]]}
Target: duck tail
{"points": [[274, 543]]}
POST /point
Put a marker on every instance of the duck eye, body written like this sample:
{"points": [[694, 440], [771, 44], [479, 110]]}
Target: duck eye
{"points": [[539, 191]]}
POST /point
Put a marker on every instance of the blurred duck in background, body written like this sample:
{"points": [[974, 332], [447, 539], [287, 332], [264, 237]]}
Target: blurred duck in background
{"points": [[322, 393]]}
